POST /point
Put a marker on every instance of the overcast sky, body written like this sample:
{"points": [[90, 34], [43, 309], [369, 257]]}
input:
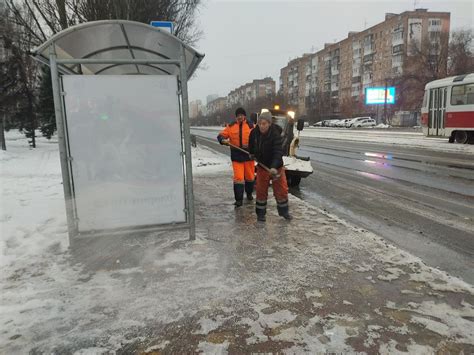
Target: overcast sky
{"points": [[246, 40]]}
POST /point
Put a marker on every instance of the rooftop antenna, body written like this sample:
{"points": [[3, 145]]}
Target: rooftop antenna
{"points": [[365, 24], [414, 4]]}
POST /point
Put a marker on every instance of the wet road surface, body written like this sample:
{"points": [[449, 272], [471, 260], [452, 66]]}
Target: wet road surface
{"points": [[421, 200]]}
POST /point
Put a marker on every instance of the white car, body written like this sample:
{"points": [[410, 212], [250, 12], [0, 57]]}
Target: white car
{"points": [[334, 123], [343, 122], [353, 121], [365, 123]]}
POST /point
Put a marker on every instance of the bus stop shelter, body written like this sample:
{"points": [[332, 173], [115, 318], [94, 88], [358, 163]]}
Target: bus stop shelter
{"points": [[121, 107]]}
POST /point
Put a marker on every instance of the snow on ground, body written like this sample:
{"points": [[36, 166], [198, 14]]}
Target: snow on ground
{"points": [[311, 285], [207, 161], [390, 137]]}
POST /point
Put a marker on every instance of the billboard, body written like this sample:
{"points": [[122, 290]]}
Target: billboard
{"points": [[374, 96], [126, 148]]}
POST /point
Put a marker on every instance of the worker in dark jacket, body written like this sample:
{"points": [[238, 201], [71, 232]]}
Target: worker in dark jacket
{"points": [[237, 133], [265, 144]]}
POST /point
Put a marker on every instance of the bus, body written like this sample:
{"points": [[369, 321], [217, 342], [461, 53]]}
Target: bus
{"points": [[448, 108]]}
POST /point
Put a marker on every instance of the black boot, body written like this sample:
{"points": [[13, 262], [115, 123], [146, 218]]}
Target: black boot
{"points": [[284, 210], [249, 189], [238, 194], [261, 210]]}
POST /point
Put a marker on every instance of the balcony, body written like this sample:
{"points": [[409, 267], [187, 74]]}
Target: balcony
{"points": [[397, 39], [434, 28], [396, 71], [368, 59], [367, 79], [368, 50]]}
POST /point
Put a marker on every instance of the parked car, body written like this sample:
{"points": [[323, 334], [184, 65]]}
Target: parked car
{"points": [[343, 122], [318, 124], [365, 123], [351, 122], [333, 123]]}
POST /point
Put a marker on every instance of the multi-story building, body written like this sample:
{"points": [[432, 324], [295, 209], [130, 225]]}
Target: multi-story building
{"points": [[339, 74], [217, 105], [251, 91], [210, 98], [195, 109], [293, 82]]}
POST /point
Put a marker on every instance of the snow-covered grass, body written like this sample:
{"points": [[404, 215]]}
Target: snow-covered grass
{"points": [[206, 161]]}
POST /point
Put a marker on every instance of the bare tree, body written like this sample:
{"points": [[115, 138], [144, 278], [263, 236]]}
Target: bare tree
{"points": [[427, 60], [181, 12], [38, 20], [461, 60]]}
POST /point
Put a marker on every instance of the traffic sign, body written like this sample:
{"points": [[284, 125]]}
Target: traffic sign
{"points": [[166, 25]]}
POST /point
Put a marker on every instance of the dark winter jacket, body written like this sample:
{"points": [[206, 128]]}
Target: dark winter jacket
{"points": [[267, 148], [238, 135]]}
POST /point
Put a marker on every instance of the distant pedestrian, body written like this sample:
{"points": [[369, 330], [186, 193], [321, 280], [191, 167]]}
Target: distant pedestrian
{"points": [[237, 133], [265, 143]]}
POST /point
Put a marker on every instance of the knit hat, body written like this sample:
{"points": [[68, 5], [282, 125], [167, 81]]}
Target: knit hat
{"points": [[240, 111], [266, 115]]}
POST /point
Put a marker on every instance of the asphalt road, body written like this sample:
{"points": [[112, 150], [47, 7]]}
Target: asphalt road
{"points": [[420, 200]]}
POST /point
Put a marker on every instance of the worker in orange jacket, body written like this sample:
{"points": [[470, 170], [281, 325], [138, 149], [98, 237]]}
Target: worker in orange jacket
{"points": [[237, 133]]}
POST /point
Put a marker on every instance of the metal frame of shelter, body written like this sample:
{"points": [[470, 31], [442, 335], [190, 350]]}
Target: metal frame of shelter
{"points": [[124, 48]]}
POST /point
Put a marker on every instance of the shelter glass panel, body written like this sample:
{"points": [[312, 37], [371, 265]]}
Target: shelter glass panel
{"points": [[126, 146]]}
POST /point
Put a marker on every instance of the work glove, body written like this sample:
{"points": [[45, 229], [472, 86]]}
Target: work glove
{"points": [[225, 142], [274, 172]]}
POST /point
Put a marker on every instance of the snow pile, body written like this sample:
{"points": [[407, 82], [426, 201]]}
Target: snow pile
{"points": [[294, 164], [402, 138], [32, 213], [383, 125], [206, 161]]}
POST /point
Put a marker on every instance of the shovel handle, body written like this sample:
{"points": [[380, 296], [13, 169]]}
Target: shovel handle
{"points": [[262, 165]]}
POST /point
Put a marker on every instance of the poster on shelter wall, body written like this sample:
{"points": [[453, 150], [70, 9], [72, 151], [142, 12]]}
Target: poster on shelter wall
{"points": [[124, 135]]}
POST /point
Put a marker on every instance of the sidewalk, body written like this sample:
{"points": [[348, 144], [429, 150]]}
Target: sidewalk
{"points": [[315, 284]]}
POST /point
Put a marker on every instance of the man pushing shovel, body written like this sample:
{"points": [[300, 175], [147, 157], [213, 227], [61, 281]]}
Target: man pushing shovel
{"points": [[265, 144]]}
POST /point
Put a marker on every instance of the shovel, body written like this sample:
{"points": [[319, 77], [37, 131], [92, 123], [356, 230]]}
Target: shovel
{"points": [[262, 165]]}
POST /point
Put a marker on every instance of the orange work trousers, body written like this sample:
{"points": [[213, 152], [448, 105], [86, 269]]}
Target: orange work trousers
{"points": [[280, 186], [243, 171]]}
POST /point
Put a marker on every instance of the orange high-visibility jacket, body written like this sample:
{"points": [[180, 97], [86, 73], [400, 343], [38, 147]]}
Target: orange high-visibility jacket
{"points": [[238, 135]]}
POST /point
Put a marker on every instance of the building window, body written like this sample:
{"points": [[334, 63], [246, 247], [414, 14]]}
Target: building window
{"points": [[397, 49]]}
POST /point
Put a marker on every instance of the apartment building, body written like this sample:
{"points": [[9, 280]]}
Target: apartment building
{"points": [[196, 108], [217, 105], [339, 74], [251, 91], [293, 82]]}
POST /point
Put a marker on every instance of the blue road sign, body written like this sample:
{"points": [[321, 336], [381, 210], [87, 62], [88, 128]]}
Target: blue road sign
{"points": [[166, 25]]}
